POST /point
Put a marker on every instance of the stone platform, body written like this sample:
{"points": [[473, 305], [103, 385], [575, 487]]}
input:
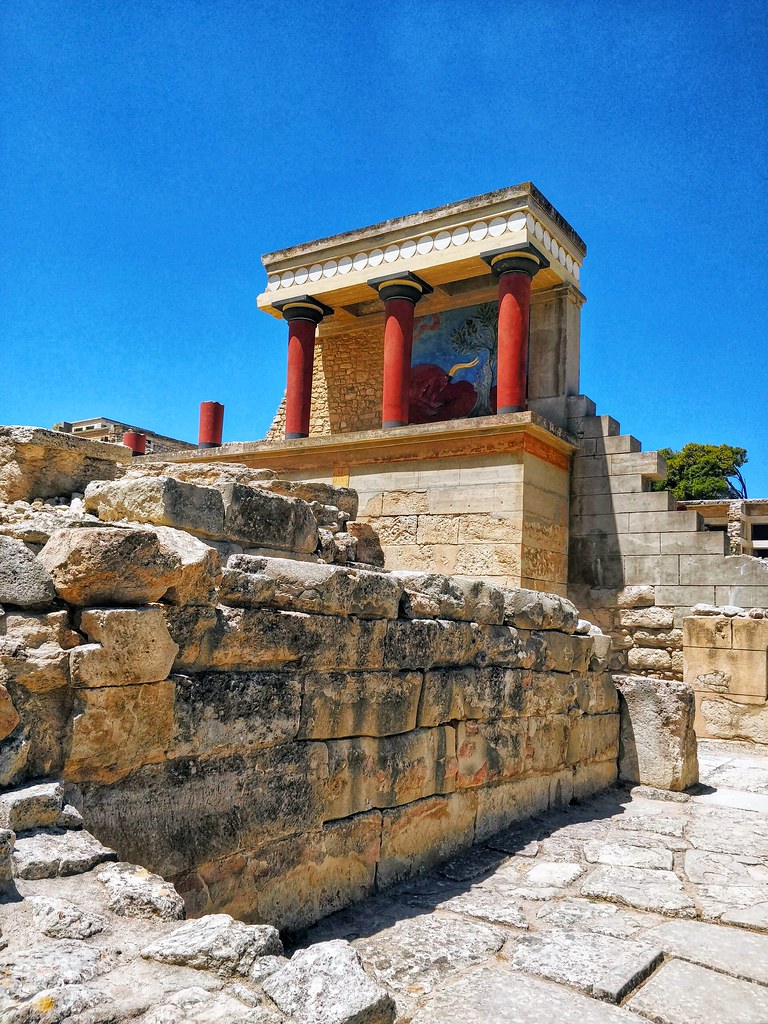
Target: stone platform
{"points": [[628, 908]]}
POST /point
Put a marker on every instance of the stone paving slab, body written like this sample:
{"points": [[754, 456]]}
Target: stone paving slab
{"points": [[731, 950], [643, 888], [684, 993], [496, 994]]}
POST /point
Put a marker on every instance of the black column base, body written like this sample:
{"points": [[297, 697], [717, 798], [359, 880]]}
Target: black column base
{"points": [[503, 409], [295, 437], [387, 424], [208, 444]]}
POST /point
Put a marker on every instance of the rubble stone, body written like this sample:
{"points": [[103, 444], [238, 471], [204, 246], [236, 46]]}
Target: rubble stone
{"points": [[530, 609], [217, 943], [135, 892], [46, 853], [24, 581], [31, 806], [431, 596], [160, 500], [130, 645]]}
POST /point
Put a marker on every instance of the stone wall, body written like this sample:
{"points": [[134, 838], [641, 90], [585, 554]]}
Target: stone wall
{"points": [[277, 734], [637, 564], [725, 661]]}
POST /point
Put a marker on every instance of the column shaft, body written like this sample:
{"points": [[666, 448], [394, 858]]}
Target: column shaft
{"points": [[512, 367], [211, 425], [298, 396], [398, 342]]}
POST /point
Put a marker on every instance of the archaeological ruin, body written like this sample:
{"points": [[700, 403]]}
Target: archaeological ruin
{"points": [[423, 705]]}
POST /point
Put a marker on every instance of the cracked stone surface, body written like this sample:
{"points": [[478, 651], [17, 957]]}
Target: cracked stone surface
{"points": [[620, 910]]}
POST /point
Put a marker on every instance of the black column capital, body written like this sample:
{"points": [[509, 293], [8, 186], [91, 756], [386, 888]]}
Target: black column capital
{"points": [[401, 286], [523, 258], [303, 307]]}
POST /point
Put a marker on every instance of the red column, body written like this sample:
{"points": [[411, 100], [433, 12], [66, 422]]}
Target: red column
{"points": [[512, 366], [135, 441], [398, 342], [303, 314], [400, 293], [211, 425], [515, 269]]}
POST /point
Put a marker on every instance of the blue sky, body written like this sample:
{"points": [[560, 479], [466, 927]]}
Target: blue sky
{"points": [[152, 151]]}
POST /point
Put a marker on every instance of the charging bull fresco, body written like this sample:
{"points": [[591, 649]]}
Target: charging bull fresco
{"points": [[453, 365]]}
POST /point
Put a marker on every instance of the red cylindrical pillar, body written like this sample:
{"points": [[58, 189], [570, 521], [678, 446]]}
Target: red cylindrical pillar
{"points": [[211, 425], [400, 293], [515, 269], [135, 441], [398, 342], [512, 365], [298, 395], [303, 314]]}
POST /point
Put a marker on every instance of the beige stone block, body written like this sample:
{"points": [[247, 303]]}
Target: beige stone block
{"points": [[461, 500], [34, 650], [741, 596], [451, 694], [409, 556], [718, 717], [488, 560], [370, 504], [9, 717], [685, 597], [664, 522], [647, 618], [116, 730], [708, 631], [366, 773], [596, 694], [589, 779], [501, 805], [649, 659], [399, 529], [426, 643], [434, 596], [546, 743], [593, 738], [697, 543], [444, 559], [658, 744], [545, 535], [129, 646], [636, 597], [726, 671], [544, 565], [490, 751], [344, 704], [398, 503], [750, 634], [442, 530], [547, 505], [506, 468], [652, 569], [161, 500], [668, 639], [503, 528], [424, 833]]}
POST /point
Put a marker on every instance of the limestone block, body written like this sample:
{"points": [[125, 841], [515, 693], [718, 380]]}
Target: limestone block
{"points": [[366, 773], [33, 650], [490, 751], [721, 718], [51, 853], [224, 713], [750, 634], [117, 729], [36, 463], [451, 694], [31, 807], [248, 589], [336, 705], [9, 716], [7, 840], [327, 589], [428, 643], [499, 806], [432, 596], [326, 984], [530, 609], [567, 653], [343, 498], [241, 639], [658, 744], [24, 581], [112, 565], [736, 672], [129, 646], [198, 567], [515, 648], [296, 881], [649, 659], [135, 892], [596, 694], [424, 833], [593, 738], [14, 756], [203, 474], [395, 529], [160, 500], [504, 528], [483, 559], [438, 529], [668, 639], [255, 517], [647, 618], [548, 693], [216, 943], [368, 544]]}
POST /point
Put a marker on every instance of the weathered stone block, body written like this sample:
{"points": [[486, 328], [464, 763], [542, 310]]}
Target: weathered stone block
{"points": [[593, 738], [369, 549], [255, 517], [36, 463], [427, 643], [650, 659], [658, 744], [216, 943], [647, 618], [368, 773], [9, 716], [596, 694], [424, 833], [336, 705], [722, 718], [457, 693], [117, 729], [742, 673], [130, 645], [225, 712], [566, 653], [343, 498], [530, 609], [7, 840], [197, 567], [108, 566], [432, 596], [24, 581], [34, 650], [161, 500], [30, 807], [501, 805], [490, 751]]}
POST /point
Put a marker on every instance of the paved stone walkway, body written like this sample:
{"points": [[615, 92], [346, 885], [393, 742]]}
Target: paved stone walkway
{"points": [[628, 908]]}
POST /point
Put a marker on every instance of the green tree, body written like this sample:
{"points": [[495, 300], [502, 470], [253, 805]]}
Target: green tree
{"points": [[702, 471]]}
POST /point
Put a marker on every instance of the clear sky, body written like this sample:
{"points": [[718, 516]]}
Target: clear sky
{"points": [[152, 151]]}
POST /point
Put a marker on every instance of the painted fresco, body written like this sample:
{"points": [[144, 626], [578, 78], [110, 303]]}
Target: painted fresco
{"points": [[453, 365]]}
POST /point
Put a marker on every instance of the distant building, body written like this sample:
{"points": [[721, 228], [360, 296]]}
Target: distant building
{"points": [[99, 428], [744, 520]]}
